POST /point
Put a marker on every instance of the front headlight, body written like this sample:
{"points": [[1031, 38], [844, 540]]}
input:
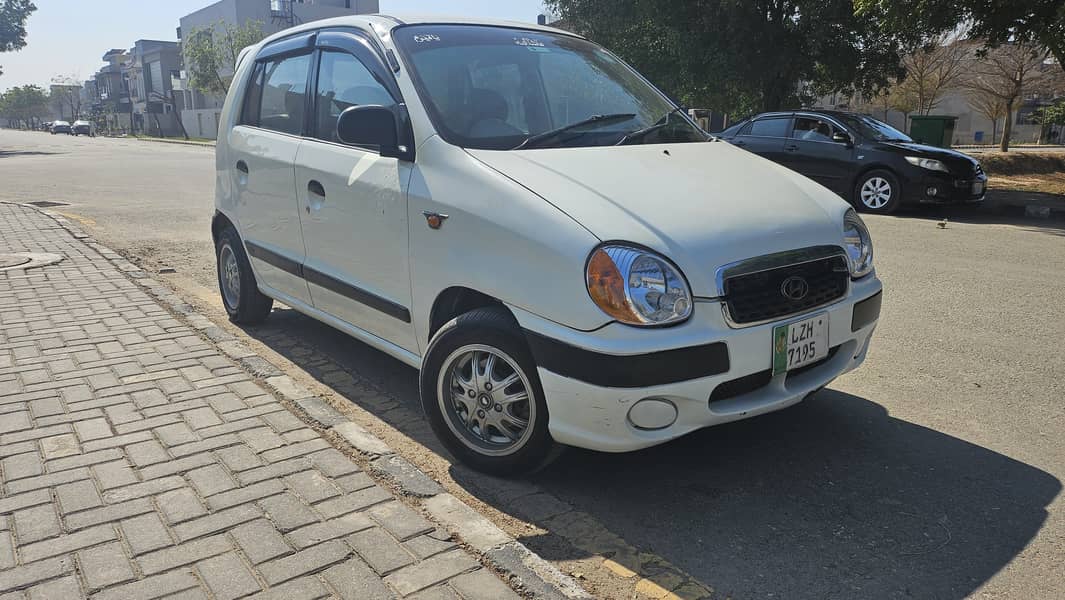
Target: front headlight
{"points": [[637, 287], [927, 163], [859, 244]]}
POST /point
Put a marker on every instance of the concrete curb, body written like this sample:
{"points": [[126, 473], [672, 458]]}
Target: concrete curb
{"points": [[179, 142], [527, 572]]}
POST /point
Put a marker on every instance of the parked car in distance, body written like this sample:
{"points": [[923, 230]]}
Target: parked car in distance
{"points": [[46, 126], [61, 127], [81, 128], [871, 164], [566, 257]]}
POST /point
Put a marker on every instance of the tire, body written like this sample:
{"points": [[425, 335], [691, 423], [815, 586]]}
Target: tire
{"points": [[494, 442], [878, 192], [241, 297]]}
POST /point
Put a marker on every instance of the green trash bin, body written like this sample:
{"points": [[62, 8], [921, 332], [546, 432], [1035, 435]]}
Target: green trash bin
{"points": [[934, 130]]}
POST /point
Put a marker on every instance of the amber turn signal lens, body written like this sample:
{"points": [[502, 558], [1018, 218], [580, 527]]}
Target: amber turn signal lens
{"points": [[607, 287]]}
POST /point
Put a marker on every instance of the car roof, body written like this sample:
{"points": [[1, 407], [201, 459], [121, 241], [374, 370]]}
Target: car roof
{"points": [[379, 22]]}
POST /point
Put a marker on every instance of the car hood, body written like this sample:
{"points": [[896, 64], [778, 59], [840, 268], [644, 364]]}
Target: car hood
{"points": [[702, 205], [950, 157]]}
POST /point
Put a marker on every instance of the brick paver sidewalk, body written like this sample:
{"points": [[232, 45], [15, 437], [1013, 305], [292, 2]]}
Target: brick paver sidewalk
{"points": [[137, 461]]}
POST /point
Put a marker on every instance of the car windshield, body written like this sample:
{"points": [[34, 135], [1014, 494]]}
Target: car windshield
{"points": [[499, 88], [873, 129]]}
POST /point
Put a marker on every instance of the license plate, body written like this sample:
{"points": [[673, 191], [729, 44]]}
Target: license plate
{"points": [[978, 187], [800, 343]]}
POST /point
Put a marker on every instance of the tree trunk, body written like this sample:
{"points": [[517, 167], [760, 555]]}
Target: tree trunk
{"points": [[1007, 129], [994, 131]]}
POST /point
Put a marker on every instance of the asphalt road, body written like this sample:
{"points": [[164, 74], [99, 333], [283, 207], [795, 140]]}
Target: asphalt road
{"points": [[932, 472]]}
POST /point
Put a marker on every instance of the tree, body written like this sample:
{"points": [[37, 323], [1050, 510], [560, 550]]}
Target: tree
{"points": [[13, 15], [211, 53], [996, 22], [1048, 116], [933, 70], [24, 105], [742, 57], [1006, 73], [988, 104]]}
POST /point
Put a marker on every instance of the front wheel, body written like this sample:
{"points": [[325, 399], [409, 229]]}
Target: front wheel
{"points": [[878, 192], [482, 395]]}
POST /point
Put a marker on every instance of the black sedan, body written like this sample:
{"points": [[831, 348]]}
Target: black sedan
{"points": [[871, 164], [61, 127]]}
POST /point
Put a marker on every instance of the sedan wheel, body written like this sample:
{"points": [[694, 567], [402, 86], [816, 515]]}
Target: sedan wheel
{"points": [[878, 192]]}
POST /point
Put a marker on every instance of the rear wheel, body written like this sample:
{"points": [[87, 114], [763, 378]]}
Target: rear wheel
{"points": [[878, 192], [241, 297], [482, 395]]}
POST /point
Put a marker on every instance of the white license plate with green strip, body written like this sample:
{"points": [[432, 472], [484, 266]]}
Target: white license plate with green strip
{"points": [[800, 343]]}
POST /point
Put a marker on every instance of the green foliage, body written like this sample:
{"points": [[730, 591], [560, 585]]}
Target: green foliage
{"points": [[996, 22], [211, 53], [13, 15], [1053, 114], [742, 56], [23, 105]]}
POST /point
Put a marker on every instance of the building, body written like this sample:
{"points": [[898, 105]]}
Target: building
{"points": [[111, 108], [65, 99], [200, 113], [148, 69]]}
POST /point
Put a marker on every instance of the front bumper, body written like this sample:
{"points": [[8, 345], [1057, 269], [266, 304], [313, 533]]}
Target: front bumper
{"points": [[591, 380], [933, 187]]}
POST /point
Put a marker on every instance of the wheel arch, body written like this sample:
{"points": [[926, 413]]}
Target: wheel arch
{"points": [[219, 222], [457, 300]]}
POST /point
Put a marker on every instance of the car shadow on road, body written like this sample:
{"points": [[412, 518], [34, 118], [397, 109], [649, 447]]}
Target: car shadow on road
{"points": [[833, 498], [990, 215], [11, 153]]}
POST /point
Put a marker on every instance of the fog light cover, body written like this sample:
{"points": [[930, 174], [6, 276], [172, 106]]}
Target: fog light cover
{"points": [[652, 413]]}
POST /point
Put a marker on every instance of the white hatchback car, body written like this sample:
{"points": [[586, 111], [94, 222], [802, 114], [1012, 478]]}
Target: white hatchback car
{"points": [[561, 251]]}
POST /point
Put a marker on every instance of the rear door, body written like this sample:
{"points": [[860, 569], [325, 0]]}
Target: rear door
{"points": [[765, 137], [353, 200], [263, 148], [812, 152]]}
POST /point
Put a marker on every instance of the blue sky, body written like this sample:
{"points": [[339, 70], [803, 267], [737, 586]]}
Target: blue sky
{"points": [[68, 37]]}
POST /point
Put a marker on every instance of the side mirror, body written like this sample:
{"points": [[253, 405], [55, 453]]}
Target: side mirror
{"points": [[842, 138], [369, 125]]}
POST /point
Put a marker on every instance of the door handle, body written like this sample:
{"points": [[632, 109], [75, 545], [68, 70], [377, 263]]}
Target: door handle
{"points": [[316, 188], [739, 143], [242, 167], [791, 147]]}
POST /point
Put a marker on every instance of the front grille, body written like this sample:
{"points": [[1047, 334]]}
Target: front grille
{"points": [[758, 297]]}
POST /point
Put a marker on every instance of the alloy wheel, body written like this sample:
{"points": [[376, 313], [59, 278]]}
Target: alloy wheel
{"points": [[229, 271], [485, 398], [876, 193]]}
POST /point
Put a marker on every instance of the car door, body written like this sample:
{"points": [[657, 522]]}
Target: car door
{"points": [[765, 136], [263, 149], [812, 151], [353, 200]]}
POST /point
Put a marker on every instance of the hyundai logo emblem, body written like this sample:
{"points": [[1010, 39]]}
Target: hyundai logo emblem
{"points": [[794, 288]]}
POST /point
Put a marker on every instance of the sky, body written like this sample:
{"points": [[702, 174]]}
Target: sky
{"points": [[67, 38]]}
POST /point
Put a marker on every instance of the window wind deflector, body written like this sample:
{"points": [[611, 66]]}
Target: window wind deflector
{"points": [[533, 140]]}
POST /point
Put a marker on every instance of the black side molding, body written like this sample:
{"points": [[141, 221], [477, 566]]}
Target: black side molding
{"points": [[359, 295], [866, 311], [640, 370], [274, 259], [320, 279]]}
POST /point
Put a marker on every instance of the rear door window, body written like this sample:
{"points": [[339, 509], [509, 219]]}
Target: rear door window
{"points": [[284, 94], [773, 127]]}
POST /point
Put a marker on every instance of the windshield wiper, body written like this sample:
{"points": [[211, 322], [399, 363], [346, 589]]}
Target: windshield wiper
{"points": [[547, 135], [639, 133]]}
